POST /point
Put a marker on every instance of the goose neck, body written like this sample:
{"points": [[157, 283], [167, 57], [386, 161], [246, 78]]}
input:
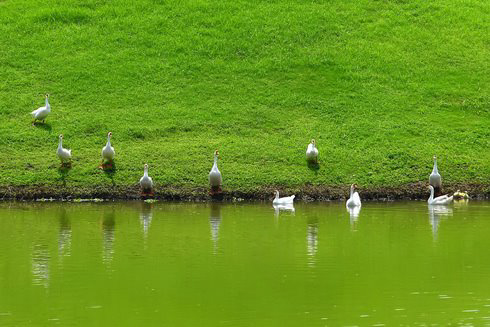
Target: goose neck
{"points": [[434, 170], [431, 197]]}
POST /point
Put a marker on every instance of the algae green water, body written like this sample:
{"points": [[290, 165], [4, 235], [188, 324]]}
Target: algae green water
{"points": [[139, 264]]}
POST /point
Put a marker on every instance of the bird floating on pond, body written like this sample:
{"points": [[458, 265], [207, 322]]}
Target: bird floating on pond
{"points": [[42, 112], [354, 198], [443, 199], [284, 200], [458, 195]]}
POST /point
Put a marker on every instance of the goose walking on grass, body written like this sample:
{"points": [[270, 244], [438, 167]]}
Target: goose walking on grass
{"points": [[108, 153], [312, 152], [354, 199], [282, 201], [63, 154], [146, 183], [435, 178], [215, 176], [443, 199], [42, 112]]}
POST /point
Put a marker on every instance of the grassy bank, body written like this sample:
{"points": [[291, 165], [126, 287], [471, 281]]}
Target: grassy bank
{"points": [[381, 85]]}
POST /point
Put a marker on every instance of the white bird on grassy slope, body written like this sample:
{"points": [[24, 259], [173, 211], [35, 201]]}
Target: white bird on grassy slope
{"points": [[146, 182], [354, 199], [42, 112], [284, 200], [108, 152], [435, 178], [63, 154], [443, 199], [312, 152], [214, 175]]}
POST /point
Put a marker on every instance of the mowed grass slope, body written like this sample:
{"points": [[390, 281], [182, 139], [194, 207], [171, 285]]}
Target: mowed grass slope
{"points": [[381, 85]]}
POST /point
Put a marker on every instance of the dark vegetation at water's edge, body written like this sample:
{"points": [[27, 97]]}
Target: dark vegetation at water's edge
{"points": [[303, 193]]}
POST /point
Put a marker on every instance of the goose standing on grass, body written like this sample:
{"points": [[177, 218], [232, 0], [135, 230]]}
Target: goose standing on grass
{"points": [[146, 182], [108, 152], [312, 152], [354, 199], [215, 176], [435, 178], [443, 199], [42, 112], [285, 200], [63, 154]]}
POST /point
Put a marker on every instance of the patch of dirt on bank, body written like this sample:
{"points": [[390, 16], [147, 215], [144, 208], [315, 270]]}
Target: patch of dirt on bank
{"points": [[170, 193]]}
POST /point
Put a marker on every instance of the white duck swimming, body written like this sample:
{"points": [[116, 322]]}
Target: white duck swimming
{"points": [[354, 199], [312, 152], [435, 178], [146, 181], [214, 175], [63, 154], [108, 152], [42, 112], [443, 199], [285, 200]]}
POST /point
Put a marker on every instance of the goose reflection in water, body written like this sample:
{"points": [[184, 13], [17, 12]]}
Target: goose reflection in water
{"points": [[40, 265], [353, 215], [64, 240], [146, 215], [214, 223], [312, 241], [438, 212], [289, 207], [108, 233]]}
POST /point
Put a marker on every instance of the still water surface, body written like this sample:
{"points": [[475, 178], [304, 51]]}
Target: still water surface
{"points": [[135, 264]]}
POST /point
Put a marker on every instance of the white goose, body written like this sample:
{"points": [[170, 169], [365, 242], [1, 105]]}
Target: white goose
{"points": [[63, 154], [435, 178], [108, 152], [146, 181], [354, 199], [215, 175], [443, 199], [42, 112], [312, 152], [285, 200]]}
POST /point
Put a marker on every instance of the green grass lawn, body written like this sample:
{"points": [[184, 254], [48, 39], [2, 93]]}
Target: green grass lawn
{"points": [[381, 85]]}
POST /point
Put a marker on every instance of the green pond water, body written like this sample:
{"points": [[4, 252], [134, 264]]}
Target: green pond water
{"points": [[168, 264]]}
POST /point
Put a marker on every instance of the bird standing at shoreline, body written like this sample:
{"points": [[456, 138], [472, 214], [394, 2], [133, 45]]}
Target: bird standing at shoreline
{"points": [[435, 178], [146, 183], [215, 176]]}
